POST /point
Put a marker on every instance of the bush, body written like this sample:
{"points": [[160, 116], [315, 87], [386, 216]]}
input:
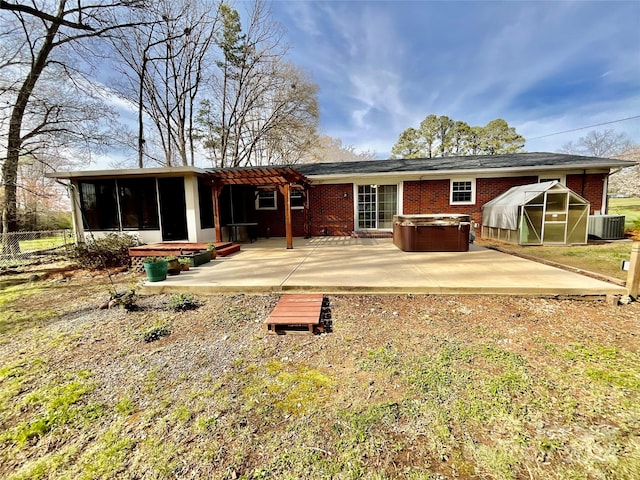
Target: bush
{"points": [[182, 303], [156, 333], [112, 250]]}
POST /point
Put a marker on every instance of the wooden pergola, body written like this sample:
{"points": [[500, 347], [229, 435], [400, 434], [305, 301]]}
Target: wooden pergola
{"points": [[282, 178]]}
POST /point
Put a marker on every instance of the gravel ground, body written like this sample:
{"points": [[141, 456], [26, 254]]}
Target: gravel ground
{"points": [[226, 332]]}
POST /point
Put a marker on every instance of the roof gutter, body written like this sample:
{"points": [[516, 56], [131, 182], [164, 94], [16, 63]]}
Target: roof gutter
{"points": [[127, 172]]}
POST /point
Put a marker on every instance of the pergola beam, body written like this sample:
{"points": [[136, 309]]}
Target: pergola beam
{"points": [[282, 178]]}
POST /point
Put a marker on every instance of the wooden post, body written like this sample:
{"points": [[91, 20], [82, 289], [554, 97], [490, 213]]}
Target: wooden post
{"points": [[633, 277], [76, 214], [216, 190], [285, 189]]}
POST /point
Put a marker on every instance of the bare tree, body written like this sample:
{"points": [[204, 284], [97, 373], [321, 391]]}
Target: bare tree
{"points": [[605, 143], [262, 110], [329, 149], [42, 32], [164, 65]]}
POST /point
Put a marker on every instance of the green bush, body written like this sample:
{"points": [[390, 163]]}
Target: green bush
{"points": [[156, 332], [112, 250], [181, 302]]}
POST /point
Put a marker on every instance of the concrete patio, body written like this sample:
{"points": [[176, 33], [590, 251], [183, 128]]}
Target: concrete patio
{"points": [[368, 265]]}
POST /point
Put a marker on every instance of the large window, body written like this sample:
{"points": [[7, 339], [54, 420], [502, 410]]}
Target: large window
{"points": [[138, 204], [377, 204], [126, 204], [99, 204], [205, 201], [463, 192]]}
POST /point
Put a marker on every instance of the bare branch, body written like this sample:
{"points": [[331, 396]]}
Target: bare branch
{"points": [[17, 7]]}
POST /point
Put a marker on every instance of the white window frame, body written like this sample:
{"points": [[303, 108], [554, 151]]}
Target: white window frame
{"points": [[291, 193], [562, 179], [265, 192], [473, 191]]}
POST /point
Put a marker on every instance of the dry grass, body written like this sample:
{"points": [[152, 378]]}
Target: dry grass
{"points": [[422, 387], [604, 258]]}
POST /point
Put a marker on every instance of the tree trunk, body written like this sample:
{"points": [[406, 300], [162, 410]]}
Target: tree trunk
{"points": [[14, 142]]}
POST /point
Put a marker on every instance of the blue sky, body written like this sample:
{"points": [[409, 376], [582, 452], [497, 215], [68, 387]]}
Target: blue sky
{"points": [[545, 67]]}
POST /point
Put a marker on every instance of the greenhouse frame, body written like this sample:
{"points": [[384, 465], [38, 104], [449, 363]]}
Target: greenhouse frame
{"points": [[546, 213]]}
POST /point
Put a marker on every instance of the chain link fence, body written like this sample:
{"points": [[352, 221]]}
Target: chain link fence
{"points": [[18, 249]]}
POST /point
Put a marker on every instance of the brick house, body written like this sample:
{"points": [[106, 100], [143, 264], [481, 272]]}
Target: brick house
{"points": [[179, 203]]}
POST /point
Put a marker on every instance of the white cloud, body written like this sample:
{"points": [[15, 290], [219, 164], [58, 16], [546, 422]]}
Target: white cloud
{"points": [[544, 67]]}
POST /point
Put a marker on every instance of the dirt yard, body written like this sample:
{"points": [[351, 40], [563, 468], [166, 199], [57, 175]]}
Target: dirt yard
{"points": [[422, 387]]}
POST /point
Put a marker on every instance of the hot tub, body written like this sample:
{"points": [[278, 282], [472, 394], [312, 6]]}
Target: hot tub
{"points": [[431, 232]]}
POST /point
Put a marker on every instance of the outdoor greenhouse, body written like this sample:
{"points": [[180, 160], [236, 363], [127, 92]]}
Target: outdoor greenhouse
{"points": [[537, 214]]}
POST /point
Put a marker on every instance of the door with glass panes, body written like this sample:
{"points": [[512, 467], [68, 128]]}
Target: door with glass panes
{"points": [[377, 204]]}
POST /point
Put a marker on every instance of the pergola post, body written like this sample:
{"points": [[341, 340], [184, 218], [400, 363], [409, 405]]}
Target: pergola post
{"points": [[216, 190], [285, 190], [258, 177]]}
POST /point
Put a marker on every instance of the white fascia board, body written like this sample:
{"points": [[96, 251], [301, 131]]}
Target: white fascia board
{"points": [[395, 177], [131, 172]]}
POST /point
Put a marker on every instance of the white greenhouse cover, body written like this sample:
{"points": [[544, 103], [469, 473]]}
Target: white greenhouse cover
{"points": [[502, 211]]}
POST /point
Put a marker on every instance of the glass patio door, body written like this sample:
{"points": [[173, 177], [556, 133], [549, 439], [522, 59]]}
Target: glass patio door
{"points": [[377, 204]]}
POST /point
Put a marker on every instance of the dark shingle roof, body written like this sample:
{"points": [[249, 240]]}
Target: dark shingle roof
{"points": [[472, 162]]}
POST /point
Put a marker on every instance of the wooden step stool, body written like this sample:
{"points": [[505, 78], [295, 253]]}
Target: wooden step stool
{"points": [[299, 313]]}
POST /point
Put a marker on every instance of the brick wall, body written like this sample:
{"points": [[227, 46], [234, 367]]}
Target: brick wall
{"points": [[331, 212], [332, 208], [432, 196], [588, 186], [271, 223]]}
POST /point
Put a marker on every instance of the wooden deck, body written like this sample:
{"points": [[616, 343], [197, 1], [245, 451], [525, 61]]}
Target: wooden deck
{"points": [[178, 248], [300, 313]]}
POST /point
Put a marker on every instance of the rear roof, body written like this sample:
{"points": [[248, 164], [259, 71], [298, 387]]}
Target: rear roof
{"points": [[471, 162]]}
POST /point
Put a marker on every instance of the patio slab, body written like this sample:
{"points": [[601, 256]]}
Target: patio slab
{"points": [[368, 265]]}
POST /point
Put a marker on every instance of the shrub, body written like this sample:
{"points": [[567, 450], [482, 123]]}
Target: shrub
{"points": [[112, 250], [181, 302], [156, 332]]}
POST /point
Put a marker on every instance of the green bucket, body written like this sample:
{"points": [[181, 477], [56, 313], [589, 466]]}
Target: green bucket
{"points": [[156, 271]]}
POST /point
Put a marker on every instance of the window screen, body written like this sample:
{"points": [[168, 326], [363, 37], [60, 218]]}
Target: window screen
{"points": [[138, 204], [99, 204], [205, 201]]}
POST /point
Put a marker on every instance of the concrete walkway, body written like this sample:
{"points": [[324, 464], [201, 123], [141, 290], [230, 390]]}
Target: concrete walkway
{"points": [[366, 265]]}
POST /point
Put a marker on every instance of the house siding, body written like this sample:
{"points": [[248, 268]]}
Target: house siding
{"points": [[590, 187], [271, 223], [331, 206], [432, 196], [331, 212]]}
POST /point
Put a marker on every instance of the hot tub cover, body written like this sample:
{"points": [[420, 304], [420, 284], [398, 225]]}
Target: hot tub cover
{"points": [[503, 211]]}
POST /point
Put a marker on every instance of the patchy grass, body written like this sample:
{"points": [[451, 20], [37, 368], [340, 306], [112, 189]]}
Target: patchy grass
{"points": [[602, 258], [15, 310], [417, 387], [599, 257]]}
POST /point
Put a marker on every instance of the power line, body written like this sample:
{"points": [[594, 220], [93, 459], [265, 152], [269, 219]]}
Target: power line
{"points": [[584, 128]]}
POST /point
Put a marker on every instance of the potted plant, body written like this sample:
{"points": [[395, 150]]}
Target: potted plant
{"points": [[155, 268], [173, 266], [212, 248], [185, 264]]}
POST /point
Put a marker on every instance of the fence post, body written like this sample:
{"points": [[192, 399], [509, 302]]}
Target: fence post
{"points": [[633, 277]]}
